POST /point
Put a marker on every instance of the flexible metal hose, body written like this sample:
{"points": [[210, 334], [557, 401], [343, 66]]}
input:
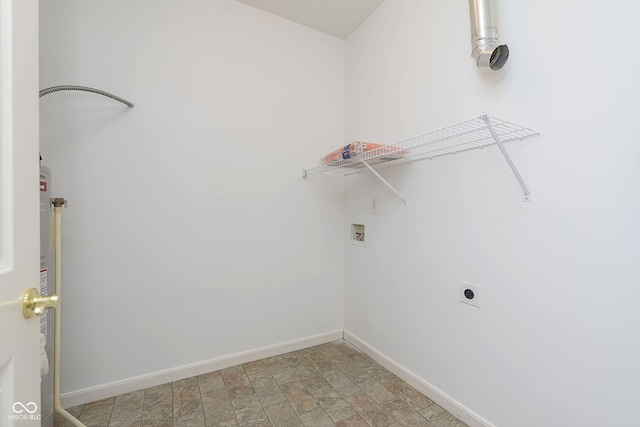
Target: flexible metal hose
{"points": [[52, 89]]}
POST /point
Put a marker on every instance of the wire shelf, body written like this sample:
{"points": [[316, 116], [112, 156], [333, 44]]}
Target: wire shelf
{"points": [[467, 135]]}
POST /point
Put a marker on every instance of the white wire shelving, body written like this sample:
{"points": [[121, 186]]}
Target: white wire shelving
{"points": [[474, 133]]}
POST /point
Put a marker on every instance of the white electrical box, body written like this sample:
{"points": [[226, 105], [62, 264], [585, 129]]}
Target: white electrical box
{"points": [[470, 294], [357, 234]]}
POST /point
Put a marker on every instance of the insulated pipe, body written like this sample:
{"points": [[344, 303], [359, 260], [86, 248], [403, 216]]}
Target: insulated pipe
{"points": [[57, 407], [485, 50]]}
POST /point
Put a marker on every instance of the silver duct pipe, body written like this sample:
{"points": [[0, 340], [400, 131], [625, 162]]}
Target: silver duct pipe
{"points": [[486, 51]]}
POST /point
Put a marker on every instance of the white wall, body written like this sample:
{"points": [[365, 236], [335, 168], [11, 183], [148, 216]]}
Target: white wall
{"points": [[190, 234], [556, 340]]}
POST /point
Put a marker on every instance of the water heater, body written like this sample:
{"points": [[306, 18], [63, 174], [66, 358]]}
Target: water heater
{"points": [[47, 287]]}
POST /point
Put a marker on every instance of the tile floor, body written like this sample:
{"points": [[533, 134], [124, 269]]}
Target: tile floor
{"points": [[331, 384]]}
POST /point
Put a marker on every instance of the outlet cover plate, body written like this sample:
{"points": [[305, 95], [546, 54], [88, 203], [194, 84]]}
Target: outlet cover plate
{"points": [[470, 294]]}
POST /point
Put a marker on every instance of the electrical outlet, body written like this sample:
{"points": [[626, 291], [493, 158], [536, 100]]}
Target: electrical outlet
{"points": [[470, 294], [374, 204]]}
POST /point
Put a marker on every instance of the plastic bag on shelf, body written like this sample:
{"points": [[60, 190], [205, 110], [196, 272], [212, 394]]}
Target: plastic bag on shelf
{"points": [[357, 148]]}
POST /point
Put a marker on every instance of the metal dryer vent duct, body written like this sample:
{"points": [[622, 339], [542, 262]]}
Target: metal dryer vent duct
{"points": [[486, 51]]}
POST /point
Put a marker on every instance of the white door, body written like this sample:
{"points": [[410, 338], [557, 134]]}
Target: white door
{"points": [[19, 212]]}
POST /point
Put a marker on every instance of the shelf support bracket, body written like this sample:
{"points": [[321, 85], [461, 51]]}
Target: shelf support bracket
{"points": [[384, 181], [527, 194]]}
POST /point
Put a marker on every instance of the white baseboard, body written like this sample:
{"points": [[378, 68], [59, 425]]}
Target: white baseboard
{"points": [[460, 411], [104, 391]]}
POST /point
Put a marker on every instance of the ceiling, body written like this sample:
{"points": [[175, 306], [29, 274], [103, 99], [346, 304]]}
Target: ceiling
{"points": [[335, 17]]}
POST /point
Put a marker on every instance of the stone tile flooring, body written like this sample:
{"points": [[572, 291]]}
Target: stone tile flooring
{"points": [[331, 384]]}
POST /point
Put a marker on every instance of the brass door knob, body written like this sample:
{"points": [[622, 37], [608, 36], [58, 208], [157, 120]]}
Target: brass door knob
{"points": [[34, 304]]}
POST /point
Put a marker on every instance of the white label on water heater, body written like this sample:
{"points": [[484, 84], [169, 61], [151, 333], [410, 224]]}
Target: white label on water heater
{"points": [[43, 291], [43, 183], [43, 281]]}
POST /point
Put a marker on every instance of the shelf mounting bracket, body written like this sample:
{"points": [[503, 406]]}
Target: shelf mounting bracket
{"points": [[384, 181], [527, 194]]}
